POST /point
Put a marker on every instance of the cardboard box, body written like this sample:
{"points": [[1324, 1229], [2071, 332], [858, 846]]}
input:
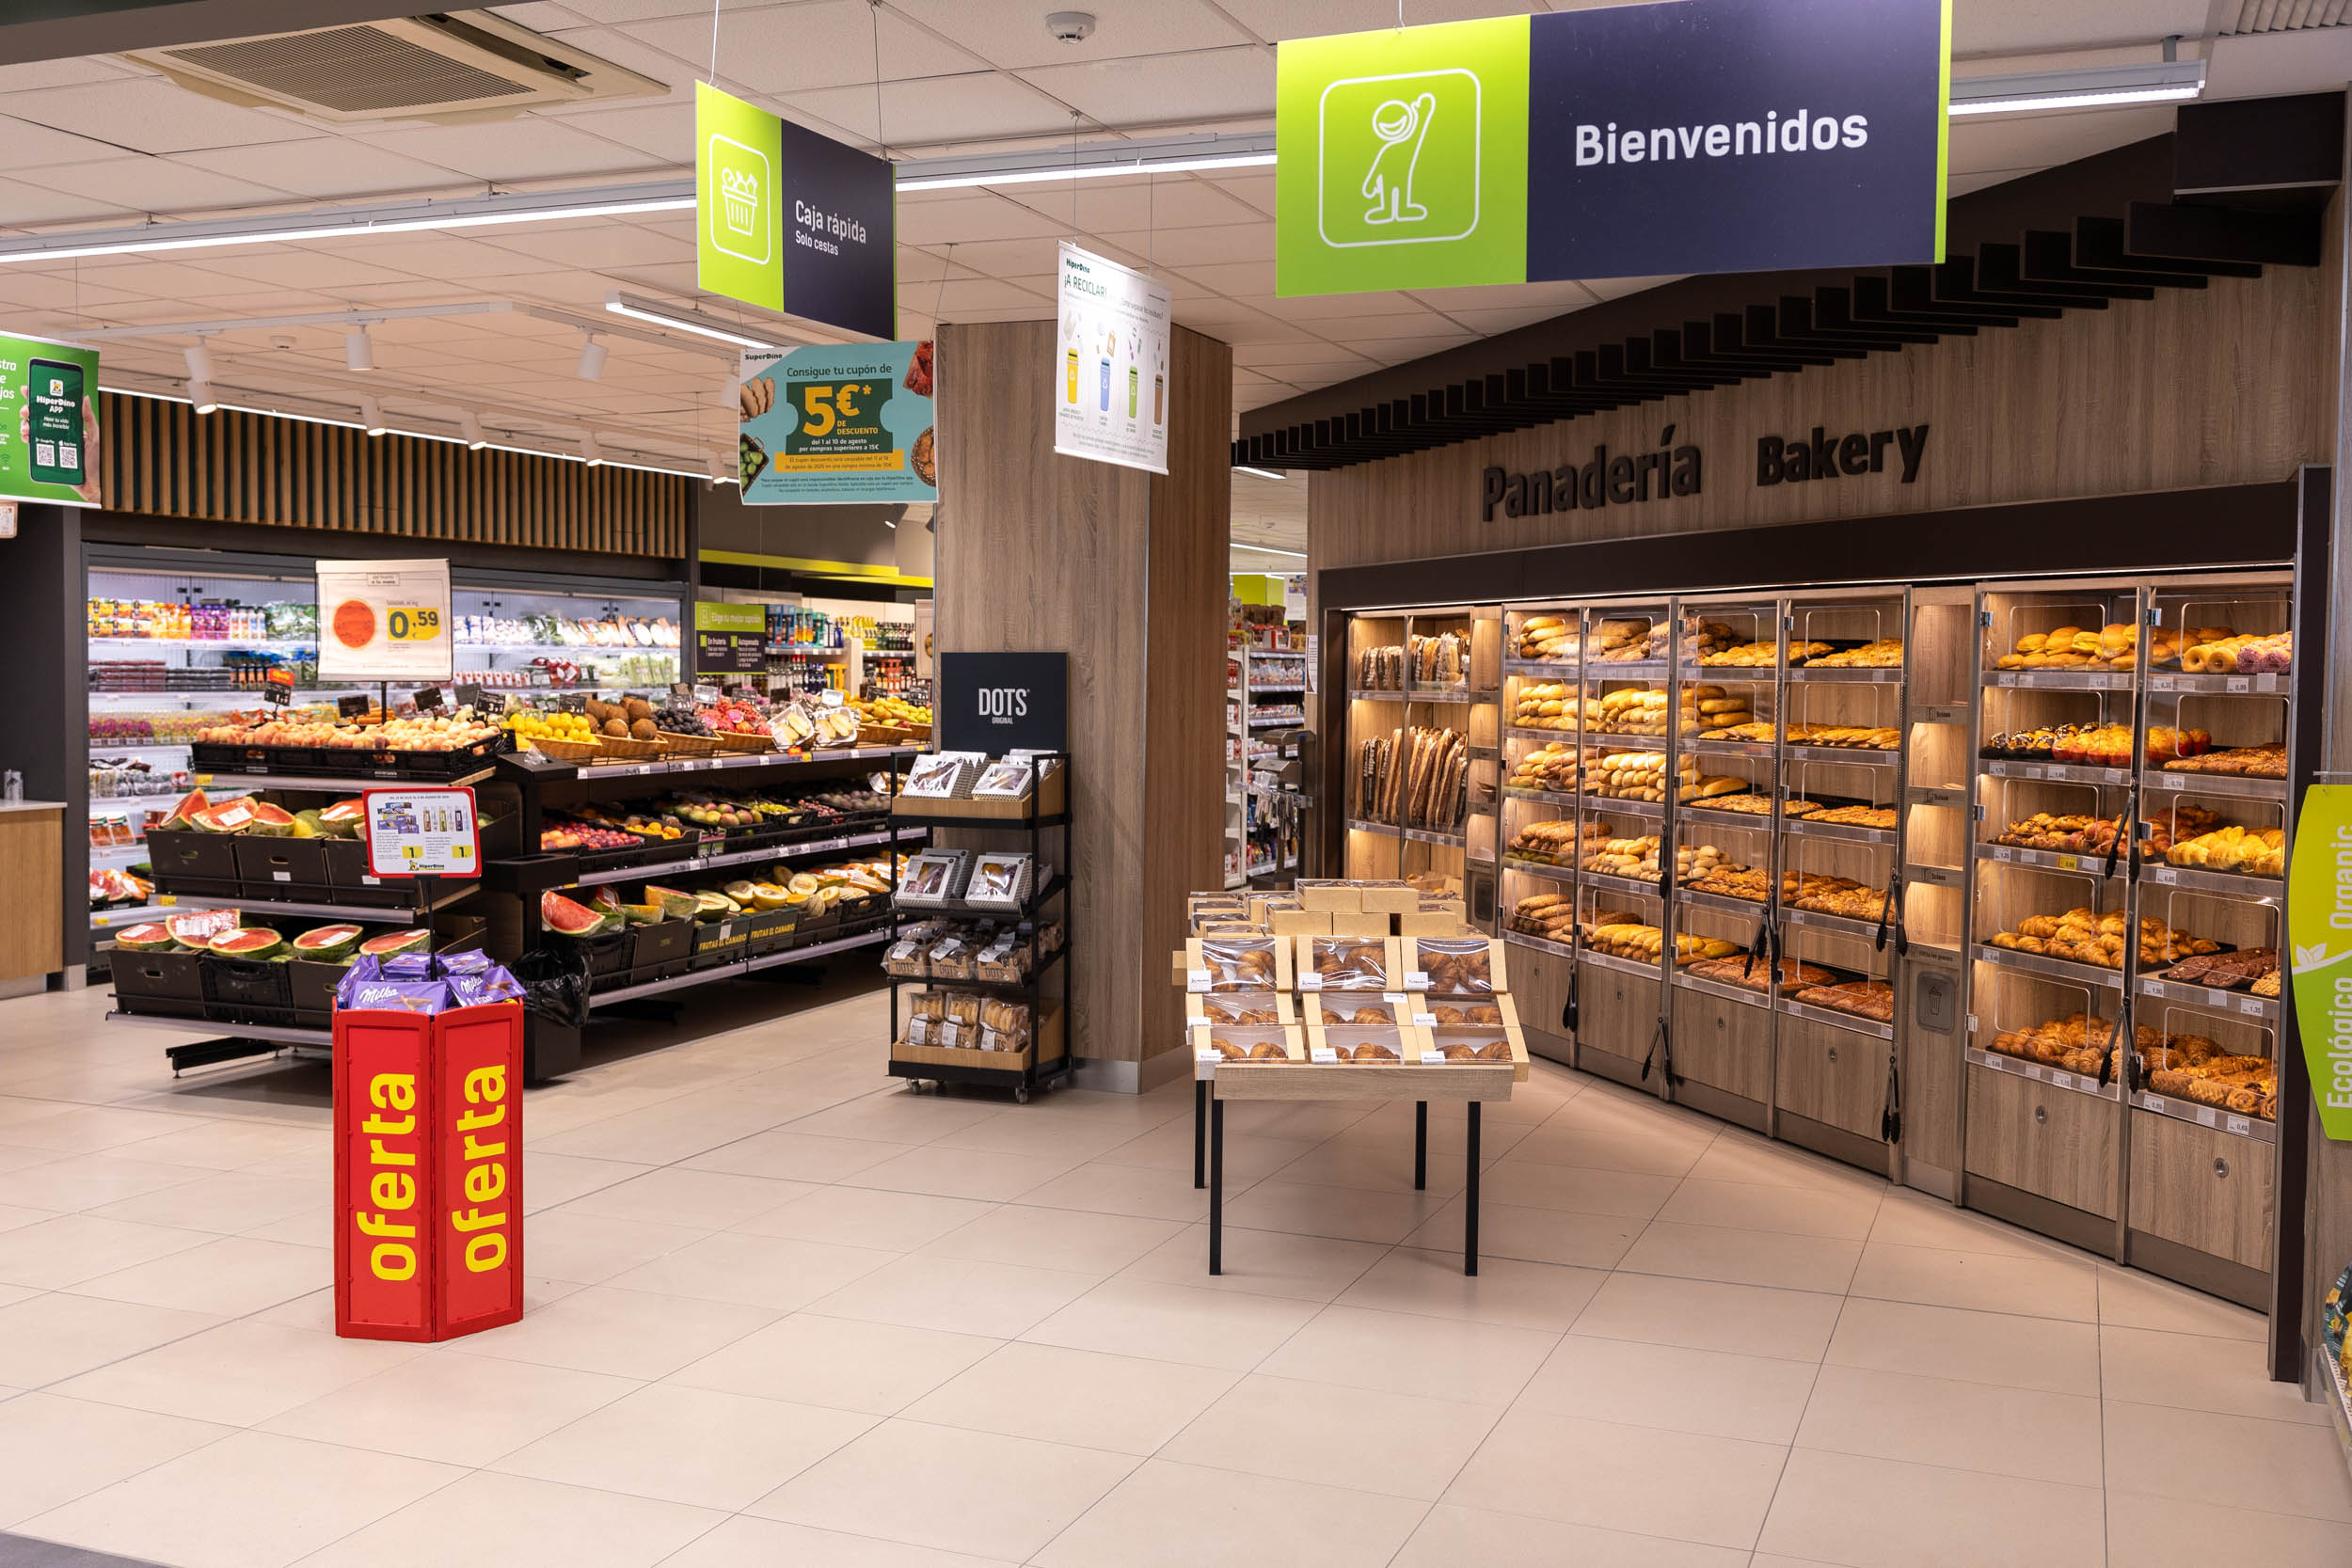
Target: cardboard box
{"points": [[1433, 926], [1229, 928], [1420, 952], [1052, 796], [1225, 963], [1366, 924], [1337, 897], [1296, 922], [1315, 955], [1046, 1045], [1265, 906], [1200, 1008], [1388, 897]]}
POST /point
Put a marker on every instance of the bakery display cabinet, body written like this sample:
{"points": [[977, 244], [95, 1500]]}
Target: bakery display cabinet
{"points": [[1423, 745]]}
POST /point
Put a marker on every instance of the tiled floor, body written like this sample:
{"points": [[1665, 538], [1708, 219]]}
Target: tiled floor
{"points": [[784, 1312]]}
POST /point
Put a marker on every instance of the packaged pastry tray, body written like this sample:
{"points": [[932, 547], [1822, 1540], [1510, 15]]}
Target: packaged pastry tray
{"points": [[1453, 966], [1240, 1009], [940, 776], [1381, 1045], [1000, 878], [1011, 777], [1464, 1012], [1328, 1010], [1237, 963], [1044, 1045], [1467, 1047], [1347, 964], [935, 876], [1214, 1046]]}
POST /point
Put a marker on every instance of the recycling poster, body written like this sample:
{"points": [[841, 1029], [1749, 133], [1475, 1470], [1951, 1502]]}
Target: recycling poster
{"points": [[2319, 932], [1110, 389], [838, 422], [384, 620], [49, 434]]}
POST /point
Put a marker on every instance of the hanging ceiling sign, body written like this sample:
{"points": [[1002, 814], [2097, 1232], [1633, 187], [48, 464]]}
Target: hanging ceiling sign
{"points": [[1110, 382], [48, 421], [1703, 135], [788, 220], [838, 422]]}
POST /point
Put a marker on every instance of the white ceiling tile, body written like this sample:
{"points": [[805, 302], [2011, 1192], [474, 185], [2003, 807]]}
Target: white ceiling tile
{"points": [[1168, 202], [823, 43], [612, 44], [22, 204], [327, 168], [1272, 356], [1396, 351], [1556, 297], [966, 294], [148, 114], [606, 244], [40, 291], [62, 74], [2015, 27], [1617, 288], [1004, 258], [1505, 320], [159, 185], [1166, 88], [1252, 188], [636, 11], [935, 109], [677, 278], [1276, 20], [663, 130], [528, 147], [974, 216], [26, 145], [1184, 247], [173, 279], [445, 256], [1011, 33], [1236, 279], [541, 16]]}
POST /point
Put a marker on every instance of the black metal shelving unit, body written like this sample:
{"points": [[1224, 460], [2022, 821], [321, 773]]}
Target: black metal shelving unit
{"points": [[1057, 888]]}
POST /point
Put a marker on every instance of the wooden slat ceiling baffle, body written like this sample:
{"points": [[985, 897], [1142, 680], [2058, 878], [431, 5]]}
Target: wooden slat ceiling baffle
{"points": [[164, 459]]}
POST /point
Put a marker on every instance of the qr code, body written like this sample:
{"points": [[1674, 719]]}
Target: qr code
{"points": [[45, 453], [68, 454]]}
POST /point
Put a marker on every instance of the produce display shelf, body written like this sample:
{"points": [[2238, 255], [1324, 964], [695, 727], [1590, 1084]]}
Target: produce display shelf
{"points": [[1425, 835], [1740, 994], [1821, 921], [381, 915], [1718, 902], [284, 1034], [2061, 680], [205, 645], [1263, 688], [109, 748], [123, 805], [1857, 757], [2080, 1082], [1638, 887], [2055, 969], [1540, 945], [735, 857], [2267, 685], [740, 967], [1531, 732], [1699, 746], [117, 854], [1609, 805], [2233, 884], [1539, 868], [129, 914], [1844, 830], [2092, 861], [1645, 968], [2063, 772], [1275, 653], [545, 766], [2213, 1116], [1859, 675], [347, 782], [1541, 669], [2236, 1003], [1836, 1018], [2236, 786]]}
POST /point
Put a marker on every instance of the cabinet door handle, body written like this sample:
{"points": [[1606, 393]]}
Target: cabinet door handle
{"points": [[2221, 1168], [1833, 1054], [2040, 1113]]}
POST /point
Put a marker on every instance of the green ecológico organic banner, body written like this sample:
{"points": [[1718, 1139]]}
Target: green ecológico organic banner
{"points": [[2319, 933], [49, 434]]}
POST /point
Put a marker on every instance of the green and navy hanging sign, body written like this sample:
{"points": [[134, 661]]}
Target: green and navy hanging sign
{"points": [[2319, 932], [1700, 135]]}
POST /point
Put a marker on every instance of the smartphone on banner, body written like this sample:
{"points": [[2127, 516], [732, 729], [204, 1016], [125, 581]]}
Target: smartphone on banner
{"points": [[52, 395]]}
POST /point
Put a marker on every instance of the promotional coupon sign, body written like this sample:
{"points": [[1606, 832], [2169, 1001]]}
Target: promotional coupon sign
{"points": [[384, 620], [788, 220], [1111, 387], [421, 833], [838, 422], [1623, 141], [2319, 933], [49, 434]]}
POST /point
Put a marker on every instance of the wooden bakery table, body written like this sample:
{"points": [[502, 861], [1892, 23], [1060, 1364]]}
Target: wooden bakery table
{"points": [[1470, 1084]]}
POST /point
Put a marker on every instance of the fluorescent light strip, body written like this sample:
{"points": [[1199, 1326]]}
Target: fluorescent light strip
{"points": [[1263, 550], [1086, 171], [1262, 474], [347, 230], [685, 321], [2073, 101]]}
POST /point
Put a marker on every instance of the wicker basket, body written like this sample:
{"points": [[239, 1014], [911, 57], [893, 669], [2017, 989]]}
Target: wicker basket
{"points": [[689, 745], [745, 743], [618, 747], [566, 750]]}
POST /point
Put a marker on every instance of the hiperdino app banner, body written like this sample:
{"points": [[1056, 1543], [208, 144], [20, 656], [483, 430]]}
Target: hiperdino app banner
{"points": [[1701, 136], [2319, 932]]}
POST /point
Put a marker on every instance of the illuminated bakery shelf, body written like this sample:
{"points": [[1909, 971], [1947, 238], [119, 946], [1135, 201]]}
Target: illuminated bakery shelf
{"points": [[1806, 827], [1544, 797], [1740, 994], [1703, 747], [1721, 903], [2213, 999], [2061, 680], [2267, 685], [1606, 740], [1609, 805], [1836, 1019], [2055, 969], [2063, 772], [2238, 786], [2090, 862], [2232, 884], [1852, 755], [1643, 969], [2255, 1128], [1541, 868], [1359, 694], [1844, 675], [1822, 919], [1540, 670], [1631, 669], [1527, 731], [1715, 816], [1637, 887], [1425, 835], [1437, 694], [2057, 1078]]}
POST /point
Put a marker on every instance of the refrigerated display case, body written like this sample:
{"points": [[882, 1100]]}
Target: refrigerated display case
{"points": [[1423, 751]]}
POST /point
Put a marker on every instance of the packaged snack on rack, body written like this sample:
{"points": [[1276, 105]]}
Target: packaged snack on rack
{"points": [[934, 877], [1000, 878], [941, 776]]}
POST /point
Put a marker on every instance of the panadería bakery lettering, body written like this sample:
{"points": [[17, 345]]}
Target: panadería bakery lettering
{"points": [[1606, 480]]}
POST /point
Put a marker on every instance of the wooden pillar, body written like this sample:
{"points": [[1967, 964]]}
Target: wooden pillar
{"points": [[1124, 571]]}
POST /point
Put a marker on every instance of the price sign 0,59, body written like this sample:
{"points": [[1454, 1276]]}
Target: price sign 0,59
{"points": [[412, 623]]}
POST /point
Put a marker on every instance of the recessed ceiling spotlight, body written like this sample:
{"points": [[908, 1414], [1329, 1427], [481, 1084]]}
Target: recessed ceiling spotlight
{"points": [[358, 350], [591, 358], [1071, 26]]}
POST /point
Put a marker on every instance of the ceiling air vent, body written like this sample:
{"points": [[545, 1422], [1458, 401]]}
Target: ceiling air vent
{"points": [[448, 65], [2284, 16]]}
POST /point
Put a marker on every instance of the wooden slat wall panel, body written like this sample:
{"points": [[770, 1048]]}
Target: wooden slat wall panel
{"points": [[162, 459]]}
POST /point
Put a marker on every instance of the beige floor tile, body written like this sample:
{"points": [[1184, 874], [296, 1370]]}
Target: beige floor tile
{"points": [[229, 1276], [1718, 1393], [13, 1158], [1748, 1318], [1397, 1445], [1066, 1140], [551, 1179], [1739, 1155], [695, 1199], [1907, 1218], [1159, 1192], [88, 1129], [1293, 1121], [1581, 1189], [941, 1487], [46, 1338], [1174, 1322], [223, 1204], [840, 1362], [2228, 1377], [52, 1450], [2030, 1287], [458, 1409], [754, 1271], [1504, 1290], [71, 1183], [960, 1295], [1742, 1256], [1611, 1143], [1169, 1147], [789, 1154], [1348, 1214], [1454, 1537], [2130, 1299], [1639, 1480], [1403, 1353], [967, 1173], [1844, 1212], [695, 1445], [1120, 1403], [1962, 1426], [1073, 1240], [231, 1145], [1382, 1166], [1882, 1513], [1532, 1235], [2049, 1353], [73, 1247], [589, 1249], [894, 1116], [250, 1500], [1155, 1519], [1266, 1263], [240, 1373], [2279, 1467], [744, 1541], [486, 1520], [662, 1133], [634, 1333], [2187, 1532], [867, 1217]]}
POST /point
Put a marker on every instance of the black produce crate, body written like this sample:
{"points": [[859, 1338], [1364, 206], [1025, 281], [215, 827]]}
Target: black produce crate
{"points": [[280, 867], [720, 941], [818, 928], [200, 863], [648, 854], [766, 930], [312, 985], [168, 984], [406, 766], [606, 954], [214, 756], [660, 950], [347, 878], [240, 991]]}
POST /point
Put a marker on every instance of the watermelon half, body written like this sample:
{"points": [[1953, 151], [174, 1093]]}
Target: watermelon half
{"points": [[674, 905], [229, 816], [182, 815], [343, 818], [570, 918], [328, 945], [195, 928], [270, 821], [153, 937], [411, 941], [246, 942]]}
